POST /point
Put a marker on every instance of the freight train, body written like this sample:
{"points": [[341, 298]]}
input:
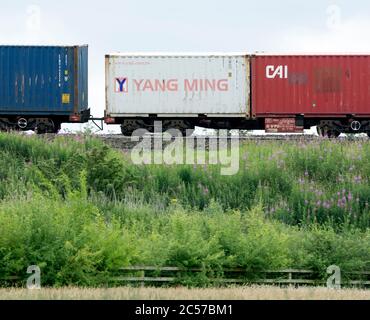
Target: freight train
{"points": [[276, 93], [43, 87]]}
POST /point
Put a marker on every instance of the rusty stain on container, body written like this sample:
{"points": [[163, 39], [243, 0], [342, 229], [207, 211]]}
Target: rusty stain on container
{"points": [[328, 79]]}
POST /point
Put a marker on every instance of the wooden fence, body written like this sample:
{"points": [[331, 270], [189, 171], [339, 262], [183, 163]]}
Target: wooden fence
{"points": [[173, 275]]}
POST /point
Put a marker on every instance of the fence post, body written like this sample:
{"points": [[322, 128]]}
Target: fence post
{"points": [[143, 277]]}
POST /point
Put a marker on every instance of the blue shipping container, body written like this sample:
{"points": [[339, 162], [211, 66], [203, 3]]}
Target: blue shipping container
{"points": [[44, 81]]}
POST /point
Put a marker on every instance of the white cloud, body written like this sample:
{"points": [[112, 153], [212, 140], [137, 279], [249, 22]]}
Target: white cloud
{"points": [[348, 36], [32, 25]]}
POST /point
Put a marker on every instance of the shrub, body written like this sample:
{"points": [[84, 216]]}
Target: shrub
{"points": [[70, 241]]}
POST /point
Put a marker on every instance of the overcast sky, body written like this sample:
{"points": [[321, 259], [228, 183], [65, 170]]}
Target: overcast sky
{"points": [[187, 25]]}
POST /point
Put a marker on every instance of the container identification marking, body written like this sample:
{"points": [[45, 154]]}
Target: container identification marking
{"points": [[172, 85], [66, 98], [273, 72], [121, 85]]}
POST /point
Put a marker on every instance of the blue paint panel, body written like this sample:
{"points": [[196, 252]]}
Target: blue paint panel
{"points": [[83, 81], [39, 80]]}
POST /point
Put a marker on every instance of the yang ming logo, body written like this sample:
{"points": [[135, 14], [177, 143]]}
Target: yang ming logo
{"points": [[121, 85]]}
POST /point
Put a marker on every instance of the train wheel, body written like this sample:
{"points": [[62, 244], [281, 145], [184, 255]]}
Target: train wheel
{"points": [[319, 131], [334, 134], [47, 126], [327, 132], [186, 128], [128, 127], [40, 129], [57, 127], [127, 132]]}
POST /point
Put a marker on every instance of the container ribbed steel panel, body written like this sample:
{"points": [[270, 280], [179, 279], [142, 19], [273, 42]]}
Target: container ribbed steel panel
{"points": [[311, 85], [43, 80], [178, 84]]}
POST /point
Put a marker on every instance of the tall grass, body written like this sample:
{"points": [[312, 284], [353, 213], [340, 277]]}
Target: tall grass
{"points": [[239, 293], [296, 182]]}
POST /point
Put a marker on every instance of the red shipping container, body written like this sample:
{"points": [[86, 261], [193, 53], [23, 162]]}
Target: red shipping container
{"points": [[311, 85]]}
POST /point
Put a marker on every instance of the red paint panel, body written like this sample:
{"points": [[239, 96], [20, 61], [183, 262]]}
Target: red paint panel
{"points": [[314, 85]]}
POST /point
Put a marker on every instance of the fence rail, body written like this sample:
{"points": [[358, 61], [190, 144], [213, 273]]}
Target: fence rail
{"points": [[156, 275], [173, 275]]}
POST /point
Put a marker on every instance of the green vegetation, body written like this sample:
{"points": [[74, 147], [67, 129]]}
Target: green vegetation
{"points": [[81, 210]]}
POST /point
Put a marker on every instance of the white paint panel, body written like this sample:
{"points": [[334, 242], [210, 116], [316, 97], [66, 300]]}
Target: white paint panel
{"points": [[211, 84]]}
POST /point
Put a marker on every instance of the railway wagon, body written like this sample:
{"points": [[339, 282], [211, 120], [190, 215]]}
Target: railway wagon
{"points": [[42, 87], [292, 92], [276, 93], [182, 90]]}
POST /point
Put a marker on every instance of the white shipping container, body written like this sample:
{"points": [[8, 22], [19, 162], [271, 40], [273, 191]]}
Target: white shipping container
{"points": [[177, 85]]}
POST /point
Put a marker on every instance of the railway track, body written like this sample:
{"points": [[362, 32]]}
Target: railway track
{"points": [[245, 137], [127, 143]]}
